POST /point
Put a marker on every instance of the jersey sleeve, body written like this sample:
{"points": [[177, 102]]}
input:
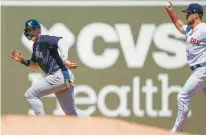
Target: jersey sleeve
{"points": [[62, 44], [53, 41], [186, 28]]}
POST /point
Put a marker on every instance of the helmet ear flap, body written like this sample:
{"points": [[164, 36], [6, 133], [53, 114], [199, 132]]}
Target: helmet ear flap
{"points": [[26, 34]]}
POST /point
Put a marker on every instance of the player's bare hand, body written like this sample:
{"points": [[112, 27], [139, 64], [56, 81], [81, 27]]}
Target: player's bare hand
{"points": [[168, 6], [16, 55], [72, 65]]}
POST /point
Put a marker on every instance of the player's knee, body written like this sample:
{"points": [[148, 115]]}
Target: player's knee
{"points": [[183, 97], [179, 97], [29, 94]]}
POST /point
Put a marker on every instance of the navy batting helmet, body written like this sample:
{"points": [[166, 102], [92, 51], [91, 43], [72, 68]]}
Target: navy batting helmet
{"points": [[32, 23]]}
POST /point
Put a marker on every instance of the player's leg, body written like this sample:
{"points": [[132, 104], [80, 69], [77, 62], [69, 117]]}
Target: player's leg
{"points": [[47, 85], [195, 83], [67, 102]]}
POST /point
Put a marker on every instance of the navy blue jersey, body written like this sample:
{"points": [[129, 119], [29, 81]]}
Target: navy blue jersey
{"points": [[45, 53]]}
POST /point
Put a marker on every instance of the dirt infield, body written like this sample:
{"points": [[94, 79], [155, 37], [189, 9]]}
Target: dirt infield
{"points": [[20, 124]]}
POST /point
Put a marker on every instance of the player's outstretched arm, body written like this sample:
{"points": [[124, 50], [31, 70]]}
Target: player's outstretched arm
{"points": [[70, 65], [17, 56], [176, 21]]}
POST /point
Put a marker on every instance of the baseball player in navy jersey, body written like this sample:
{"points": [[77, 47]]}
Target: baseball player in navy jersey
{"points": [[195, 32], [58, 79]]}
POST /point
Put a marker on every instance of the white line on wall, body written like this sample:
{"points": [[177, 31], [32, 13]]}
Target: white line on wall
{"points": [[96, 3]]}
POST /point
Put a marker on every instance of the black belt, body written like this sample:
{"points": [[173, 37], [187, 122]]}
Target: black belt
{"points": [[195, 67]]}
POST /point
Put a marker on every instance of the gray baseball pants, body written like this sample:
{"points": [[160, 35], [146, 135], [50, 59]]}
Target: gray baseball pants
{"points": [[195, 83], [53, 83]]}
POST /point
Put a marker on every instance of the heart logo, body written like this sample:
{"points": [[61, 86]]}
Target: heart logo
{"points": [[57, 29]]}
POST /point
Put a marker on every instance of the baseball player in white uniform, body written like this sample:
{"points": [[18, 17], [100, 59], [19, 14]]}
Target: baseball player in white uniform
{"points": [[195, 32]]}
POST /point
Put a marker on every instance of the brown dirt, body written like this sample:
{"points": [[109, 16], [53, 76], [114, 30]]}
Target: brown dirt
{"points": [[23, 124]]}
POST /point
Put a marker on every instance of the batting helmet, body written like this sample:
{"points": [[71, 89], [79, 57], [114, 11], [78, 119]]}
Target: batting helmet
{"points": [[32, 23]]}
